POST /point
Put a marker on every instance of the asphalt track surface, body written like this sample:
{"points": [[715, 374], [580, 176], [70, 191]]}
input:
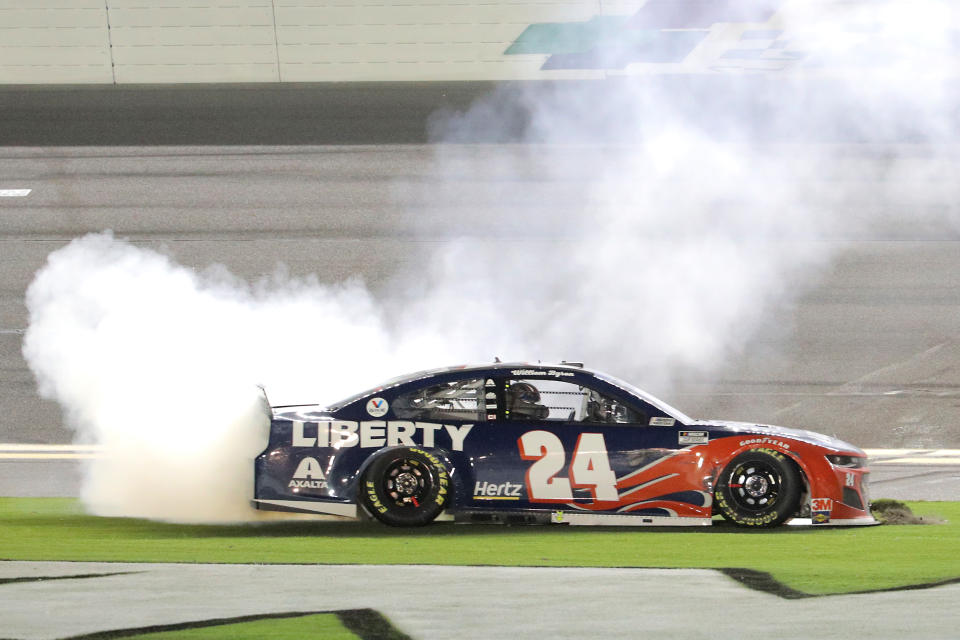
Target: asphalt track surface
{"points": [[868, 353]]}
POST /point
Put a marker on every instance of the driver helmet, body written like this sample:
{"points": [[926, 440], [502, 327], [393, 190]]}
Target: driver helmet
{"points": [[524, 392]]}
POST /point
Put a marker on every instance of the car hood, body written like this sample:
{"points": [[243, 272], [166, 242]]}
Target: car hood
{"points": [[810, 437]]}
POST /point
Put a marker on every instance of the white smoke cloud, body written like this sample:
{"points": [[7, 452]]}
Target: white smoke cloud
{"points": [[679, 247], [691, 206], [159, 365], [709, 199]]}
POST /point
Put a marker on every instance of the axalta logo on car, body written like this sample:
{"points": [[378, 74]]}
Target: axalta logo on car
{"points": [[309, 475]]}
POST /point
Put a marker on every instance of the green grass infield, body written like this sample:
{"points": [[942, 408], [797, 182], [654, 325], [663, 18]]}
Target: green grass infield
{"points": [[344, 624], [325, 626], [807, 560]]}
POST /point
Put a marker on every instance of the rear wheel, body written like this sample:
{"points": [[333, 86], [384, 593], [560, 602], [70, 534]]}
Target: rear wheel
{"points": [[405, 488], [759, 488]]}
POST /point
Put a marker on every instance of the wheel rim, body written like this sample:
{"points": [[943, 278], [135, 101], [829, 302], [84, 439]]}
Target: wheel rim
{"points": [[407, 483], [755, 486]]}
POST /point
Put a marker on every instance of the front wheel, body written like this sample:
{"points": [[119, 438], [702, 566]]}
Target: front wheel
{"points": [[405, 488], [759, 488]]}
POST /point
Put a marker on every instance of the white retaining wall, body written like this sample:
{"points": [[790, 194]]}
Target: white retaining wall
{"points": [[161, 41], [166, 41]]}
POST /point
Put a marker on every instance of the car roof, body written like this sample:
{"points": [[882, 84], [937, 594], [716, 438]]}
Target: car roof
{"points": [[517, 369]]}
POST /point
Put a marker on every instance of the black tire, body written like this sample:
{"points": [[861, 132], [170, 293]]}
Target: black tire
{"points": [[759, 488], [405, 488]]}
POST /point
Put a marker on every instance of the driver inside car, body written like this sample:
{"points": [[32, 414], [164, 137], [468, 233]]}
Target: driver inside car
{"points": [[523, 402]]}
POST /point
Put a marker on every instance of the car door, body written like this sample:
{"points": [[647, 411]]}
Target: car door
{"points": [[569, 444]]}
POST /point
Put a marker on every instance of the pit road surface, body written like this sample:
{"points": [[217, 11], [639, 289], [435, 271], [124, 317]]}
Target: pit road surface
{"points": [[461, 602]]}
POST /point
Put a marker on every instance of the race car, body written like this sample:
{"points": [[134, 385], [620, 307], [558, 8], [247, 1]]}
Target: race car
{"points": [[536, 443]]}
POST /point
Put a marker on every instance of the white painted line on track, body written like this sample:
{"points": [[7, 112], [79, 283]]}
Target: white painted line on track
{"points": [[913, 457], [50, 447], [920, 461], [903, 452], [49, 456], [921, 457], [14, 193], [16, 451]]}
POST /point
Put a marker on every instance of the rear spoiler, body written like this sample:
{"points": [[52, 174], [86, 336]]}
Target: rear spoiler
{"points": [[267, 407], [270, 408]]}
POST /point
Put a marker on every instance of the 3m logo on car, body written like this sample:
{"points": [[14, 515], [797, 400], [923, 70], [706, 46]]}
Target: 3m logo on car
{"points": [[821, 504], [820, 509]]}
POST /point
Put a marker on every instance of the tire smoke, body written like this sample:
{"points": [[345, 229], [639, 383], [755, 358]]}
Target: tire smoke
{"points": [[159, 365]]}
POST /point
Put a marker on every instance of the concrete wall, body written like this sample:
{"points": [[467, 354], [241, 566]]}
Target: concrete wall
{"points": [[217, 41], [161, 41], [54, 41]]}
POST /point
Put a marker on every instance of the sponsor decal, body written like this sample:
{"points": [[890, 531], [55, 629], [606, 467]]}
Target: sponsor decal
{"points": [[662, 421], [492, 491], [821, 504], [773, 441], [491, 416], [309, 475], [296, 485], [490, 396], [537, 372], [341, 434], [694, 437], [377, 407], [489, 383], [820, 509]]}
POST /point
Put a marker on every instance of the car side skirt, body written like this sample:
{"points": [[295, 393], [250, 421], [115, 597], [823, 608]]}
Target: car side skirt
{"points": [[347, 510], [864, 521], [620, 520]]}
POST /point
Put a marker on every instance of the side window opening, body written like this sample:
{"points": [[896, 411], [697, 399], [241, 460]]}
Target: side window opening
{"points": [[457, 400], [548, 399], [604, 409]]}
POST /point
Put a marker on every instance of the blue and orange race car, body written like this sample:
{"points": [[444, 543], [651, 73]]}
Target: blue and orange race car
{"points": [[521, 443]]}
